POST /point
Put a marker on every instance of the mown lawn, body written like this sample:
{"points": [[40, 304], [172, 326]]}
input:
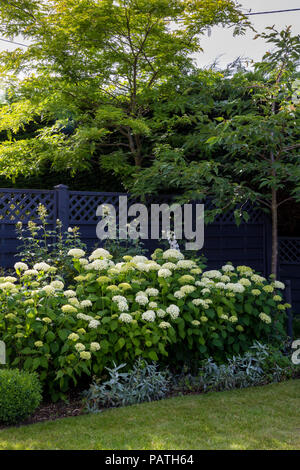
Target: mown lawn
{"points": [[256, 418]]}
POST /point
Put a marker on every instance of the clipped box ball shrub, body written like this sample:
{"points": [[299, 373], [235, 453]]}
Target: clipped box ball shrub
{"points": [[20, 395], [162, 309]]}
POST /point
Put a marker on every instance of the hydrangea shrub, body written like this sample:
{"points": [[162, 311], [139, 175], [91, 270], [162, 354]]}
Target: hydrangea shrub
{"points": [[164, 308]]}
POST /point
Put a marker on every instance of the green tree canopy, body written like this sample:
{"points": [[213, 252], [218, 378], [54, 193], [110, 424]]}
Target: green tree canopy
{"points": [[93, 66], [244, 143]]}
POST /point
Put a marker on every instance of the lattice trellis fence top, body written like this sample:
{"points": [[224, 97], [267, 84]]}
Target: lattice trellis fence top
{"points": [[83, 206], [289, 250], [21, 205]]}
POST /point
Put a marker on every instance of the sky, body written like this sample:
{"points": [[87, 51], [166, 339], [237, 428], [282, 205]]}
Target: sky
{"points": [[222, 45]]}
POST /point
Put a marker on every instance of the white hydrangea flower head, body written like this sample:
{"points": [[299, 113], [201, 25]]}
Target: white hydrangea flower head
{"points": [[187, 289], [245, 282], [125, 286], [73, 337], [87, 267], [244, 270], [265, 318], [81, 331], [59, 285], [213, 274], [141, 299], [128, 267], [82, 316], [48, 289], [227, 268], [186, 279], [256, 292], [179, 294], [73, 301], [235, 287], [143, 267], [169, 265], [257, 279], [83, 261], [98, 265], [112, 271], [161, 313], [10, 279], [225, 278], [94, 323], [224, 316], [279, 285], [172, 254], [70, 293], [119, 298], [139, 259], [52, 270], [164, 273], [20, 266], [152, 305], [206, 290], [173, 311], [207, 282], [125, 318], [220, 285], [152, 292], [94, 346], [42, 267], [149, 316], [153, 266], [164, 325], [123, 306], [86, 303], [196, 271], [142, 292], [30, 272], [233, 319], [68, 309], [79, 347], [185, 264], [85, 355], [76, 253], [247, 273], [47, 320], [202, 302], [99, 253], [268, 288], [200, 284]]}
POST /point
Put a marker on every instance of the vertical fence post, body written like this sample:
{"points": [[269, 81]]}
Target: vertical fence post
{"points": [[62, 193], [288, 296]]}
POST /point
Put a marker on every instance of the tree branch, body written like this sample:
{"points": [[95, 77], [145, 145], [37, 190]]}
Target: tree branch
{"points": [[285, 200]]}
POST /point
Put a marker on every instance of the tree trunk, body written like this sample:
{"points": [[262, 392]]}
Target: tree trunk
{"points": [[274, 233]]}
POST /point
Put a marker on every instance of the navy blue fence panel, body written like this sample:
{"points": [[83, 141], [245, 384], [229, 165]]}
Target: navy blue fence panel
{"points": [[289, 267], [248, 243], [224, 241], [82, 212], [245, 244], [20, 205]]}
